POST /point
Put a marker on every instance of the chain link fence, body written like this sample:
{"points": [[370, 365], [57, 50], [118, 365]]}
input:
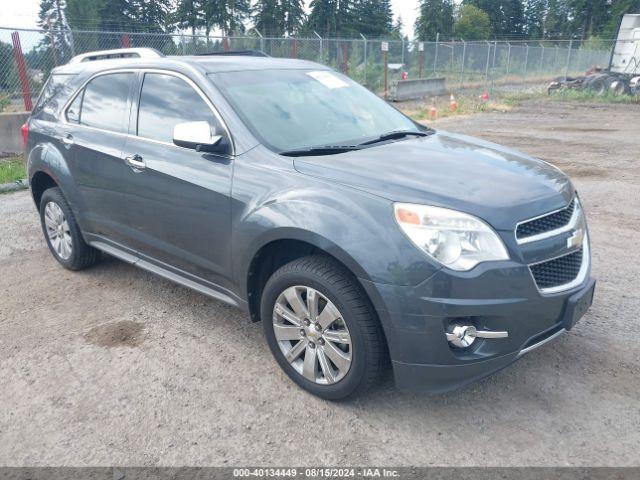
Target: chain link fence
{"points": [[27, 57]]}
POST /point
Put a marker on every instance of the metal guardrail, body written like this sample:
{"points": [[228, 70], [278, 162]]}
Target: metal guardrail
{"points": [[416, 88]]}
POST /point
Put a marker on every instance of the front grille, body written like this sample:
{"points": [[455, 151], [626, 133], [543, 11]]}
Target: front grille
{"points": [[558, 271], [550, 222]]}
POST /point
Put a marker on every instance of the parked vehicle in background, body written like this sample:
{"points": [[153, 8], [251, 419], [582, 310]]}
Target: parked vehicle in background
{"points": [[623, 74], [286, 189]]}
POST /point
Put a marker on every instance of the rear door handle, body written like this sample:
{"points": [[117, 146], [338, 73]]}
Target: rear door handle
{"points": [[136, 162]]}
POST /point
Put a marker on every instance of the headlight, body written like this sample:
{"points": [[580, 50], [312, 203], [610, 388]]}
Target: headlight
{"points": [[456, 240]]}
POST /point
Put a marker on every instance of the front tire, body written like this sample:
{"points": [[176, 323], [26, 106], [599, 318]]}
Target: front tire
{"points": [[62, 233], [321, 328]]}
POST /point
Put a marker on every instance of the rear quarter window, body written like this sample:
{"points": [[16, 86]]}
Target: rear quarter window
{"points": [[54, 94]]}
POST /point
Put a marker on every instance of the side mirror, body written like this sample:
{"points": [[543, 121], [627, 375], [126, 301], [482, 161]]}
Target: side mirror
{"points": [[199, 136]]}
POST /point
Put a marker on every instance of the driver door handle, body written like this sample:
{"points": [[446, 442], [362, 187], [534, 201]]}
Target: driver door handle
{"points": [[136, 162]]}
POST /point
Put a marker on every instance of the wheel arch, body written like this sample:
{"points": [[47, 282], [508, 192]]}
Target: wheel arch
{"points": [[41, 181], [284, 246]]}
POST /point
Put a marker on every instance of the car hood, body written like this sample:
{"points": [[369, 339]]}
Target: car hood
{"points": [[495, 183]]}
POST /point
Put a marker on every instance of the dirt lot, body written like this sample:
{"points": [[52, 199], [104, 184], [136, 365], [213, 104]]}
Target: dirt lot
{"points": [[115, 366]]}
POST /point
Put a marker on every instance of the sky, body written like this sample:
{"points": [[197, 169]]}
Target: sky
{"points": [[24, 13]]}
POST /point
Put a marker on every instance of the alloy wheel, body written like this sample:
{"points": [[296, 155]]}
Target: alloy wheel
{"points": [[58, 230], [312, 335]]}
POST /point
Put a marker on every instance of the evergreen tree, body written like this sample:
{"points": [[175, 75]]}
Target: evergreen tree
{"points": [[189, 15], [618, 9], [556, 22], [397, 29], [151, 16], [293, 15], [372, 18], [589, 16], [84, 14], [227, 15], [322, 18], [332, 18], [472, 23], [52, 20], [116, 15], [267, 17], [436, 16], [534, 14], [279, 17], [8, 75], [506, 16]]}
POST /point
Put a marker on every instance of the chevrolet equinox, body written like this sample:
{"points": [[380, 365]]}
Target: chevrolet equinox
{"points": [[282, 187]]}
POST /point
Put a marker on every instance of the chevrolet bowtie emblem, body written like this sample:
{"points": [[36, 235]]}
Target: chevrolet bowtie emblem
{"points": [[576, 238]]}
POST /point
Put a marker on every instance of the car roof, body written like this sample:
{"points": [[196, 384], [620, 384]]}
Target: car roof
{"points": [[204, 63]]}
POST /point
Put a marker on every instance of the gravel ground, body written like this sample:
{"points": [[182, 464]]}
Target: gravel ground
{"points": [[115, 366]]}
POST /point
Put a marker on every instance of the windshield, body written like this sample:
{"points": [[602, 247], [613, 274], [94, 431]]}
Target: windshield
{"points": [[294, 109]]}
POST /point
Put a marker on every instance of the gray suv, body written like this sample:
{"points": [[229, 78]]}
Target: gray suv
{"points": [[356, 235]]}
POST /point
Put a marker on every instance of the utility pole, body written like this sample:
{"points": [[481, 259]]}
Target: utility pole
{"points": [[493, 66], [320, 49], [364, 40], [435, 56], [384, 46], [464, 58], [261, 39], [566, 72], [486, 68]]}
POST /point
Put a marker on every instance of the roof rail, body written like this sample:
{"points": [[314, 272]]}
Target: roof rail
{"points": [[117, 53], [244, 53]]}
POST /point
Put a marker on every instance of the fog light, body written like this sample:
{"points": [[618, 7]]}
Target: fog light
{"points": [[462, 336]]}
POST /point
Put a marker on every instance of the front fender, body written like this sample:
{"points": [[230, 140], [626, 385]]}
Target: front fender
{"points": [[355, 227]]}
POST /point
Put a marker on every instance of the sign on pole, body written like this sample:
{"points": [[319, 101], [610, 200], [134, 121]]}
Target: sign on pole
{"points": [[384, 46], [421, 47]]}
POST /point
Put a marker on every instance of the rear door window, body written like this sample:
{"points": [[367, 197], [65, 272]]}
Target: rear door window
{"points": [[167, 100], [105, 102]]}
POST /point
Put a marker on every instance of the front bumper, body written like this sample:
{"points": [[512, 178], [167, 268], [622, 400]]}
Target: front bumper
{"points": [[415, 320]]}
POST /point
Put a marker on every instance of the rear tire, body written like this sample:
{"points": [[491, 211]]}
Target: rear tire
{"points": [[599, 85], [619, 87], [347, 352], [62, 233]]}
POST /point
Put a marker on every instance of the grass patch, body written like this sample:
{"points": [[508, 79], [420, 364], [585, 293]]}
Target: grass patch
{"points": [[467, 105], [12, 169]]}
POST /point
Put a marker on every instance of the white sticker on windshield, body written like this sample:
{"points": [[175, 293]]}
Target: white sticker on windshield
{"points": [[328, 79]]}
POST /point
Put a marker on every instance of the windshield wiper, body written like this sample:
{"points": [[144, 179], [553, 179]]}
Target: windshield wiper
{"points": [[334, 149], [397, 134], [323, 150]]}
